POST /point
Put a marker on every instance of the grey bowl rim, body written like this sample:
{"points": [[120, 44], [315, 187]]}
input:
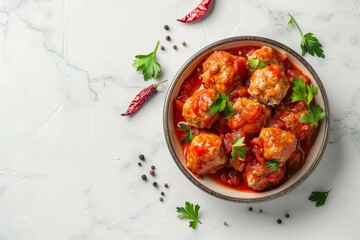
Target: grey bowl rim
{"points": [[324, 121]]}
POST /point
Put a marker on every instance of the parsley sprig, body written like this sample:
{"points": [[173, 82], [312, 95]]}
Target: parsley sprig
{"points": [[309, 43], [273, 165], [319, 198], [305, 93], [147, 64], [256, 63], [314, 114], [190, 212], [223, 104], [238, 149], [189, 136]]}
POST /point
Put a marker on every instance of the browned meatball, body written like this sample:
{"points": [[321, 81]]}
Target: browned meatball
{"points": [[196, 110], [250, 116], [268, 55], [278, 144], [269, 85], [287, 118], [205, 154], [260, 177], [222, 71], [238, 163]]}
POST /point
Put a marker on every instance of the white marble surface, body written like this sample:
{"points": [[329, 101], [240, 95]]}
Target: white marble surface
{"points": [[68, 167]]}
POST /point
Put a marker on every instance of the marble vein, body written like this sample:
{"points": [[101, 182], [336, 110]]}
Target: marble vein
{"points": [[38, 131], [236, 28], [60, 58]]}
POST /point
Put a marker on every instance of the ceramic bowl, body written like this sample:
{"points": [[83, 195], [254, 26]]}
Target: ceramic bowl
{"points": [[207, 184]]}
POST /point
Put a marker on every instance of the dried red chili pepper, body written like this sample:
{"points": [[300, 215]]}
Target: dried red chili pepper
{"points": [[141, 98], [197, 13]]}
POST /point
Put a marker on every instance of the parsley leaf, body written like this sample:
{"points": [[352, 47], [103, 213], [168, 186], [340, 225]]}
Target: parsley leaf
{"points": [[189, 212], [256, 63], [273, 165], [314, 114], [228, 110], [238, 149], [306, 92], [309, 43], [189, 136], [222, 104], [319, 198], [303, 92], [219, 104], [147, 64]]}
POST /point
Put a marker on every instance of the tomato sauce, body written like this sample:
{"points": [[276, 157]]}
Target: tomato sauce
{"points": [[227, 176]]}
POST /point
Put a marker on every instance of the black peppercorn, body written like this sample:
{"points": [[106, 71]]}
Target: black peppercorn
{"points": [[250, 209], [279, 221], [168, 38], [225, 224], [161, 199], [166, 185], [155, 184], [162, 48], [152, 167], [162, 194], [167, 27], [287, 215], [142, 157], [175, 47], [143, 177]]}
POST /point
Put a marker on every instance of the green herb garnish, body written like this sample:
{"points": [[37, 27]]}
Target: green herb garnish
{"points": [[303, 92], [147, 64], [306, 92], [190, 212], [189, 136], [314, 114], [228, 110], [319, 198], [238, 149], [219, 104], [223, 104], [273, 165], [309, 43], [256, 63]]}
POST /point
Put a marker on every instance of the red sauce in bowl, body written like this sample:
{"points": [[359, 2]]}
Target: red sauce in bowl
{"points": [[283, 115]]}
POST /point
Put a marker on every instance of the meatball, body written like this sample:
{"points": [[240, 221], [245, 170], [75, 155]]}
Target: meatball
{"points": [[278, 144], [260, 177], [222, 71], [269, 85], [196, 109], [268, 55], [250, 116], [287, 118], [205, 154], [238, 163]]}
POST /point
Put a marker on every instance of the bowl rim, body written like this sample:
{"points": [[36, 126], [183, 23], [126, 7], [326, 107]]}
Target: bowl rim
{"points": [[326, 121]]}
